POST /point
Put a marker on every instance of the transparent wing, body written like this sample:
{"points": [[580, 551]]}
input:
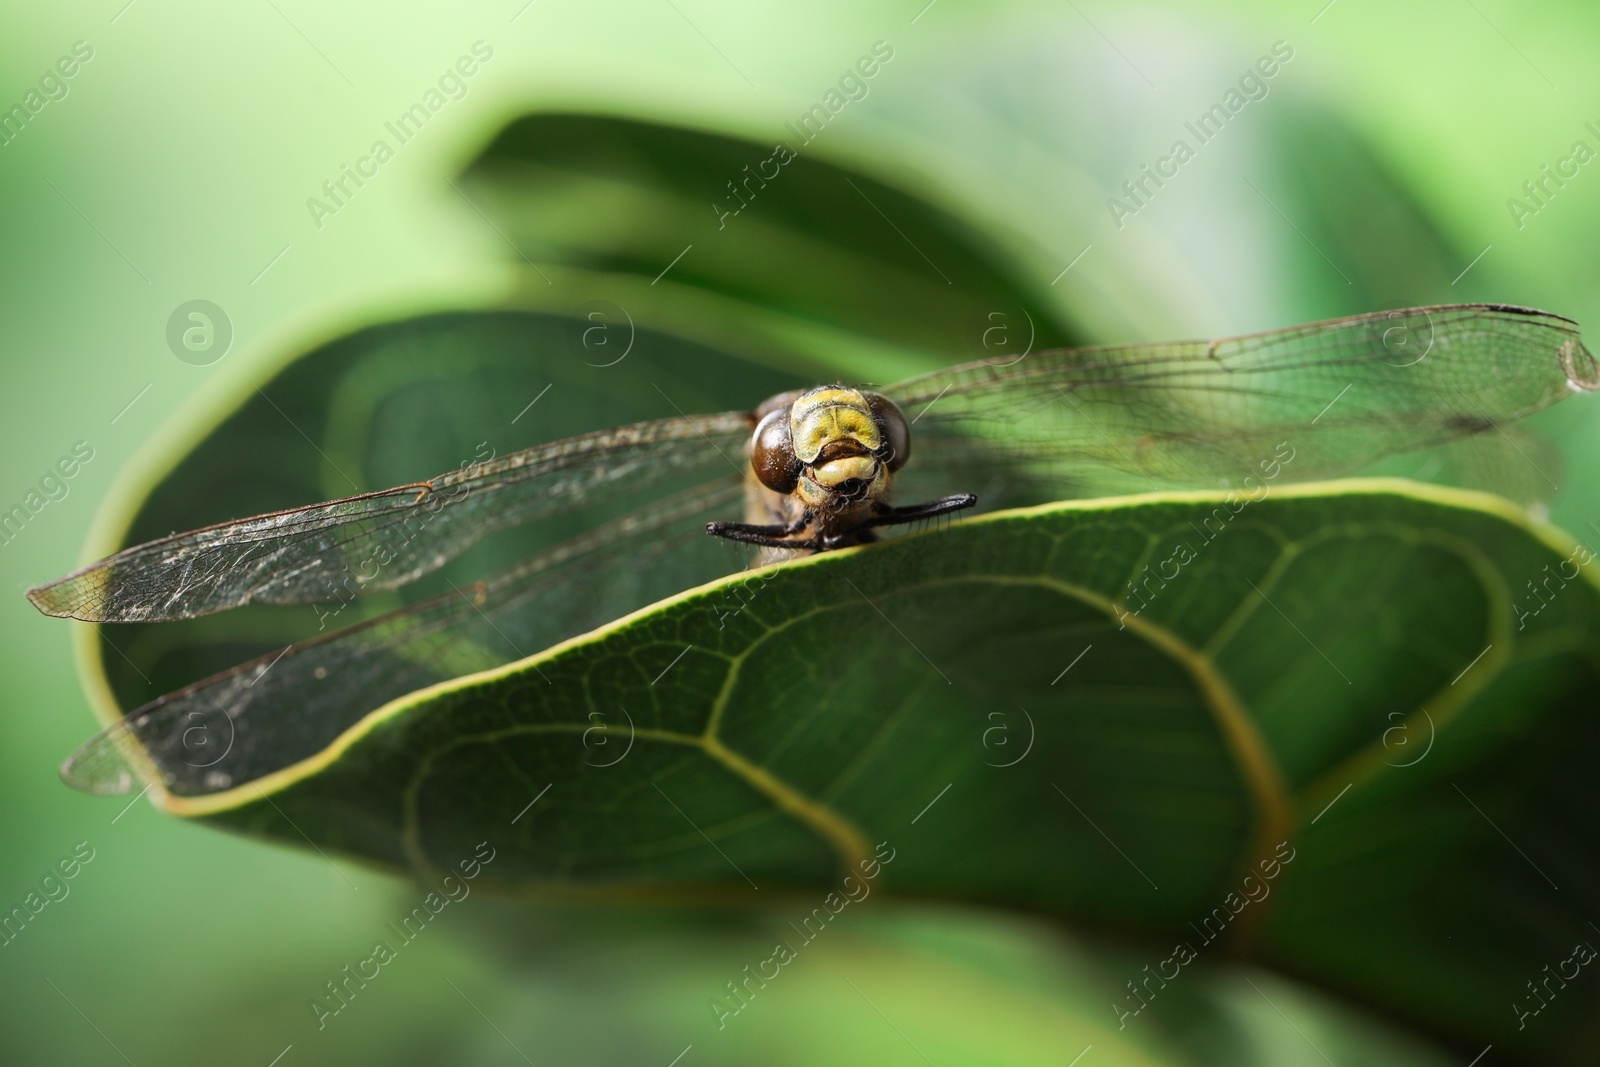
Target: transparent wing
{"points": [[268, 713], [1309, 401], [386, 539]]}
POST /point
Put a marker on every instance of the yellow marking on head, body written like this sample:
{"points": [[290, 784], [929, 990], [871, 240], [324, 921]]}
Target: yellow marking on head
{"points": [[828, 414], [832, 473]]}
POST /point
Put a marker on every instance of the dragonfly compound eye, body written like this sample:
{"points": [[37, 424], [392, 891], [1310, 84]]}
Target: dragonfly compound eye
{"points": [[772, 453], [896, 447]]}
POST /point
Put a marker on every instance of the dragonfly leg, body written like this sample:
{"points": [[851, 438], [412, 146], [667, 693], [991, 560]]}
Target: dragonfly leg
{"points": [[769, 536], [730, 531], [931, 509], [773, 536]]}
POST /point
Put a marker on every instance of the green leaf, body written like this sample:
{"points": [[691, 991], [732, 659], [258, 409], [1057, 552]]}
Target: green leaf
{"points": [[686, 208], [1316, 639]]}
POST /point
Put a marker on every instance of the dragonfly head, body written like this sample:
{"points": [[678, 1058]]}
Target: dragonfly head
{"points": [[831, 447]]}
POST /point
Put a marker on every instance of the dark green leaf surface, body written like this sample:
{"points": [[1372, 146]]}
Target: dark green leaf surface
{"points": [[785, 723], [819, 241]]}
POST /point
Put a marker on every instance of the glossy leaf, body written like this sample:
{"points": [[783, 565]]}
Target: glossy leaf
{"points": [[1112, 712]]}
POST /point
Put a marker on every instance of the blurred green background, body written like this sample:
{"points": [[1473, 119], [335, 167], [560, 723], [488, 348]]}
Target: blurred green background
{"points": [[1375, 173]]}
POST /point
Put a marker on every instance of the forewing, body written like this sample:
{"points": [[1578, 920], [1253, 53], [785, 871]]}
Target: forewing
{"points": [[264, 715], [386, 539], [1306, 402]]}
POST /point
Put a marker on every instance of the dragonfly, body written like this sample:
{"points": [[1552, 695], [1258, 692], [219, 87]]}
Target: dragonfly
{"points": [[812, 471]]}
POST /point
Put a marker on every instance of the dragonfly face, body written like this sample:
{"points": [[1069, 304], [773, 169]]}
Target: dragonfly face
{"points": [[830, 446], [824, 459]]}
